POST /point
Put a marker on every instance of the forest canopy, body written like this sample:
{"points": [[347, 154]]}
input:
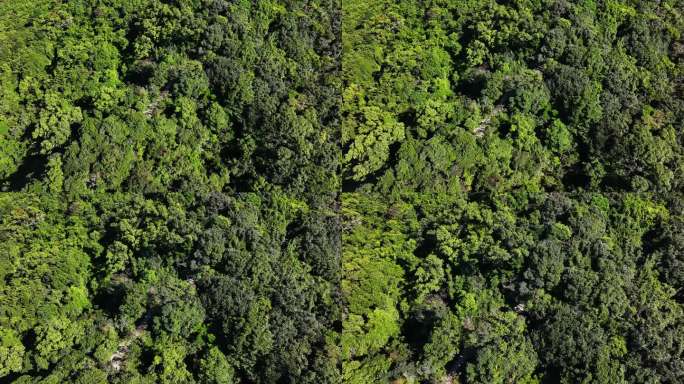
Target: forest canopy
{"points": [[323, 191], [512, 191], [170, 183]]}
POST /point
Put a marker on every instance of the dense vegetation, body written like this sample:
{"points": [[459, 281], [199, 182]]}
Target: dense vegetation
{"points": [[170, 182], [323, 191], [513, 191]]}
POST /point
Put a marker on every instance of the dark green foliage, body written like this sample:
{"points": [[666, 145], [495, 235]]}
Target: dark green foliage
{"points": [[170, 178], [526, 158]]}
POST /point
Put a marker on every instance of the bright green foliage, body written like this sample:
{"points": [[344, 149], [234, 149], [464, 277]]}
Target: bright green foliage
{"points": [[215, 369], [371, 288], [45, 265], [372, 139]]}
